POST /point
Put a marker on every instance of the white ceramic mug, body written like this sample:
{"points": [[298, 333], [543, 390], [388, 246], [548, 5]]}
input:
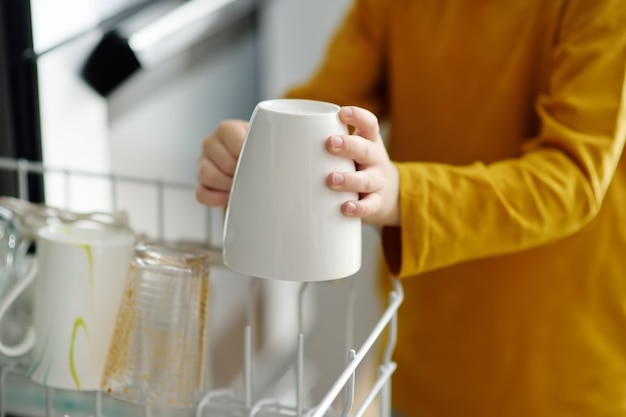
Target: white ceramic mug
{"points": [[79, 277], [282, 220]]}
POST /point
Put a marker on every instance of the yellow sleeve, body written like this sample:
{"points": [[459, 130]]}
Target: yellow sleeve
{"points": [[352, 70], [451, 214]]}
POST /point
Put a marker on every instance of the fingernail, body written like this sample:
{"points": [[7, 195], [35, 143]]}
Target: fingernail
{"points": [[350, 208], [347, 111], [337, 178], [337, 141]]}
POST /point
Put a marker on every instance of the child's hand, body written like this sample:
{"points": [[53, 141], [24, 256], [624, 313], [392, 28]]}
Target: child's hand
{"points": [[376, 179], [218, 161]]}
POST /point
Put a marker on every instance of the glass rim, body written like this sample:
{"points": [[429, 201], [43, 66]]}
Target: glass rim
{"points": [[172, 256]]}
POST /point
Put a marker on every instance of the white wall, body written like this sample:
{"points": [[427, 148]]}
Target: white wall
{"points": [[294, 34]]}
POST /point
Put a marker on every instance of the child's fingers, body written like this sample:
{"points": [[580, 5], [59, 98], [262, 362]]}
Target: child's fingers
{"points": [[211, 177], [211, 198], [365, 122], [220, 156], [231, 134], [367, 206], [362, 182], [361, 151]]}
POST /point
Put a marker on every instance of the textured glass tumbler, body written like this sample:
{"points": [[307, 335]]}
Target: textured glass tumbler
{"points": [[158, 352], [13, 266]]}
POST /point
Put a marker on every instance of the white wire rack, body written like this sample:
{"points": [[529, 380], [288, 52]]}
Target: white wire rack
{"points": [[19, 396]]}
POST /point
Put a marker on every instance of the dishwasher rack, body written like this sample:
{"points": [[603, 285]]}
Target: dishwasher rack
{"points": [[223, 401]]}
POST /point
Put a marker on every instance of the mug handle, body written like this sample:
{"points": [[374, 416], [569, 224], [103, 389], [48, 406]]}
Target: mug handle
{"points": [[29, 339]]}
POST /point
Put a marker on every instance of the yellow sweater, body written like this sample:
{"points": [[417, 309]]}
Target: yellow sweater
{"points": [[507, 125]]}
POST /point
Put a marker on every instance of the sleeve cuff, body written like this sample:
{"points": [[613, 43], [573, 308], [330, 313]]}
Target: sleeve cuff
{"points": [[405, 246], [392, 248]]}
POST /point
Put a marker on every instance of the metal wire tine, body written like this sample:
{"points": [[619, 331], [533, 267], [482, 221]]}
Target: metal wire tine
{"points": [[303, 289], [385, 372], [49, 409], [311, 412], [98, 403], [352, 292], [397, 288], [385, 395], [300, 352], [22, 179], [300, 374], [252, 290], [247, 340], [260, 404], [160, 210], [228, 407], [68, 188], [210, 396], [349, 401], [397, 293], [284, 409], [247, 366], [114, 192], [3, 376], [393, 337], [8, 164], [209, 229], [215, 227]]}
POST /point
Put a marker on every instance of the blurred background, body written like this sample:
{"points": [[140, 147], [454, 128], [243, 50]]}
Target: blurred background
{"points": [[131, 88]]}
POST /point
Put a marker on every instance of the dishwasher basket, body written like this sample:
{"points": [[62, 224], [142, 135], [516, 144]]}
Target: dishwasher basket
{"points": [[20, 397]]}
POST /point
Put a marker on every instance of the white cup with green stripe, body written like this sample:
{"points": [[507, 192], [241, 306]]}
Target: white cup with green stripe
{"points": [[79, 275]]}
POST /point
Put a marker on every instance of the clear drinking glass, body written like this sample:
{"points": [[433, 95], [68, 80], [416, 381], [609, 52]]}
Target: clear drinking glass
{"points": [[158, 352], [14, 244]]}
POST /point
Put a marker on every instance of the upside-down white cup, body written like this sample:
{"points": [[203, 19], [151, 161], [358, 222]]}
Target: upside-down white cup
{"points": [[78, 276], [282, 220]]}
